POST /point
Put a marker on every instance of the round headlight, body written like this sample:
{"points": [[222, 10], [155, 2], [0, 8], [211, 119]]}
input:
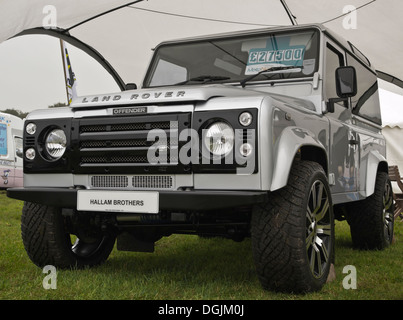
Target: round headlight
{"points": [[245, 119], [55, 143], [30, 128], [219, 138]]}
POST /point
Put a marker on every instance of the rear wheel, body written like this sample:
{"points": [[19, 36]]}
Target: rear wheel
{"points": [[293, 232], [48, 241], [371, 220]]}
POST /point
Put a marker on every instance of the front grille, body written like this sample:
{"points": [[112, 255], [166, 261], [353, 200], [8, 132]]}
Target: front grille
{"points": [[135, 182], [124, 144], [152, 182], [117, 143], [109, 181]]}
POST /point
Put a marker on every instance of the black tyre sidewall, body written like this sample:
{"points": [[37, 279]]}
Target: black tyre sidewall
{"points": [[47, 242], [366, 218], [282, 221]]}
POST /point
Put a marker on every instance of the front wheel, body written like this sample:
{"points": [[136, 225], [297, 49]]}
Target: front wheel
{"points": [[48, 242], [293, 232]]}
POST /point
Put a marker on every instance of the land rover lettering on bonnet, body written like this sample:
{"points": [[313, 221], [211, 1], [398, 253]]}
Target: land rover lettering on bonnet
{"points": [[269, 134]]}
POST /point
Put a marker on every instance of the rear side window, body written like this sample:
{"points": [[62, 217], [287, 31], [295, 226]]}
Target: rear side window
{"points": [[366, 102]]}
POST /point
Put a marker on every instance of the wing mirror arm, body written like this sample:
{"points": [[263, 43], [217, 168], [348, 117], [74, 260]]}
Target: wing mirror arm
{"points": [[332, 101]]}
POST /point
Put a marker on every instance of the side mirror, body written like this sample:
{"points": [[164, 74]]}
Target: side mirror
{"points": [[346, 82], [346, 86], [19, 153]]}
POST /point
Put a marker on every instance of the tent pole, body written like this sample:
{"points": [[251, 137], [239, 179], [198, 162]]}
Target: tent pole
{"points": [[290, 15], [102, 14]]}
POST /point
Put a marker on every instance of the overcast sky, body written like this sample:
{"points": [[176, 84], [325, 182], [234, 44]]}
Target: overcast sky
{"points": [[32, 74]]}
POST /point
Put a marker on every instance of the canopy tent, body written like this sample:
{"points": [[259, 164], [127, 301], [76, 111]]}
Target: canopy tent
{"points": [[374, 28], [121, 40], [392, 123]]}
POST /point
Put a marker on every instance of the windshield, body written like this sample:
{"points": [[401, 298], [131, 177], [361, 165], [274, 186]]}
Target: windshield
{"points": [[234, 59]]}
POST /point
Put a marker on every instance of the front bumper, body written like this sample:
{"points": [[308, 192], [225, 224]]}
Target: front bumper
{"points": [[169, 200]]}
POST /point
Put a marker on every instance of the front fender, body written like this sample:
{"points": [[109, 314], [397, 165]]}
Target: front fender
{"points": [[285, 149]]}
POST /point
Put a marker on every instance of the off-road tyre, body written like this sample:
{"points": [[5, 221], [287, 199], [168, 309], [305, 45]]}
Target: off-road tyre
{"points": [[47, 241], [289, 228], [371, 220]]}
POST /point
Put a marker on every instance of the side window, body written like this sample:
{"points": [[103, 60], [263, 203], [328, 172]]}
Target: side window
{"points": [[334, 59], [366, 102], [3, 139]]}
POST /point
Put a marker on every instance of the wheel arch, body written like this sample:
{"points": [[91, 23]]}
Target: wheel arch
{"points": [[375, 163], [295, 143]]}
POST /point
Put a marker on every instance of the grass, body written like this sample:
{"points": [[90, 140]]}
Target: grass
{"points": [[188, 268]]}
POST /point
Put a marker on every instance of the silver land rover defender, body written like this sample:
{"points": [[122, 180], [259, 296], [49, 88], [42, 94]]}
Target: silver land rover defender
{"points": [[269, 133]]}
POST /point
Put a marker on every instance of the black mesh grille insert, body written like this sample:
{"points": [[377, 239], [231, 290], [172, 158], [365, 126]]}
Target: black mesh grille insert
{"points": [[122, 144]]}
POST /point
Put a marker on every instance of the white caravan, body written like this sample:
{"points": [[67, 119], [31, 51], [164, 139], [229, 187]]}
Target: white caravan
{"points": [[11, 149]]}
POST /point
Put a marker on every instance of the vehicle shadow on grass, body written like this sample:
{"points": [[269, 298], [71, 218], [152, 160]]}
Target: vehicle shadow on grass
{"points": [[190, 257]]}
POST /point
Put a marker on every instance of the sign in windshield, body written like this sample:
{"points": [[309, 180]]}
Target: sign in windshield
{"points": [[229, 60]]}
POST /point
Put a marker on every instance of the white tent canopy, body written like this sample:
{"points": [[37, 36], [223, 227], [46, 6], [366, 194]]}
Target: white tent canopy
{"points": [[392, 123], [375, 28], [125, 37]]}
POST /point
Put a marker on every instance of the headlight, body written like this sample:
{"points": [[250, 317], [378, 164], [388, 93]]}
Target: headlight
{"points": [[55, 143], [219, 138]]}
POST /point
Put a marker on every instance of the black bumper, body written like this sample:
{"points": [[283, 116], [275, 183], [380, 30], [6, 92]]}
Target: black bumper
{"points": [[169, 200]]}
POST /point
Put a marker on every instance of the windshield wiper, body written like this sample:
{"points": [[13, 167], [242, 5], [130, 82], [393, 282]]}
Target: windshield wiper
{"points": [[203, 79], [244, 81]]}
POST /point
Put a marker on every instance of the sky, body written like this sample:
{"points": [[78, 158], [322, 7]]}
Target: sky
{"points": [[32, 75], [31, 71]]}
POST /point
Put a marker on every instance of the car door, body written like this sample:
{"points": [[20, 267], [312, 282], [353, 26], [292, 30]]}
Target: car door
{"points": [[344, 142]]}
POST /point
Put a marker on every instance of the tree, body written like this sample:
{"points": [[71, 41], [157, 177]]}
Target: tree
{"points": [[16, 112], [58, 105]]}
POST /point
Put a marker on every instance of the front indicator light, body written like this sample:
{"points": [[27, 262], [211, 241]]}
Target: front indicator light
{"points": [[245, 119], [30, 128], [246, 149], [30, 154]]}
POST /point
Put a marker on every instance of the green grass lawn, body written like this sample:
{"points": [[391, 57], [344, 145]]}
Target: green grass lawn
{"points": [[188, 267]]}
